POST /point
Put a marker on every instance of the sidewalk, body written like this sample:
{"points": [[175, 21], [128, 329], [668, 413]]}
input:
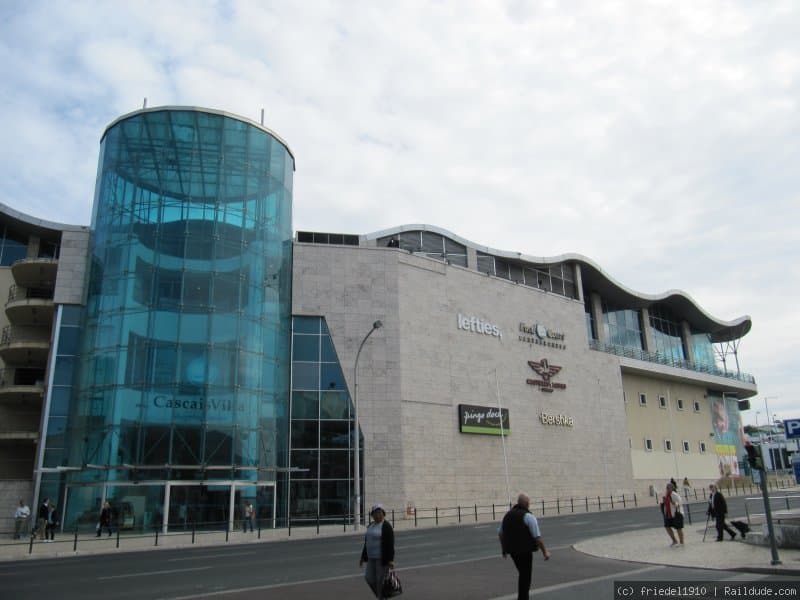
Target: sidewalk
{"points": [[653, 546]]}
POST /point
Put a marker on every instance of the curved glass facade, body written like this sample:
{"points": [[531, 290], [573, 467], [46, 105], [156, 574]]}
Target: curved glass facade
{"points": [[183, 381]]}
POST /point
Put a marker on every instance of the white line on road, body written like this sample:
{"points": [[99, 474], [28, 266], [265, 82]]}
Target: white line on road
{"points": [[154, 573], [561, 586], [217, 555]]}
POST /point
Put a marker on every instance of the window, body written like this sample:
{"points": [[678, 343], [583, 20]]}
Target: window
{"points": [[642, 400], [667, 445], [662, 402], [696, 406], [702, 447], [680, 404], [648, 445], [685, 446]]}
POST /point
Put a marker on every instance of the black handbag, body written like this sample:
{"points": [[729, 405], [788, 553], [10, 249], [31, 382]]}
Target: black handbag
{"points": [[391, 584]]}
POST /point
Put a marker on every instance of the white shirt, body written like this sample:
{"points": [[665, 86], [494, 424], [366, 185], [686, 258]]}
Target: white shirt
{"points": [[22, 512]]}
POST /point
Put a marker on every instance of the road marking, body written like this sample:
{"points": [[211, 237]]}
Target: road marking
{"points": [[154, 573], [270, 586], [561, 586], [218, 555]]}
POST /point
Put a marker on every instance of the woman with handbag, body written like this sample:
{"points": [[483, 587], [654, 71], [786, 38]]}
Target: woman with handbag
{"points": [[378, 551]]}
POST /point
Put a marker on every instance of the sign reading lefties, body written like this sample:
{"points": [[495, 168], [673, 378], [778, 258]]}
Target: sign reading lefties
{"points": [[476, 325]]}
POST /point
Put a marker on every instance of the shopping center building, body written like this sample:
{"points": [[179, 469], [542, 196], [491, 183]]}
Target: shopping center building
{"points": [[208, 355]]}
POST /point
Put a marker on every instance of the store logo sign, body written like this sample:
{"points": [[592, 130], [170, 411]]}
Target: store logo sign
{"points": [[546, 372], [476, 325], [541, 335]]}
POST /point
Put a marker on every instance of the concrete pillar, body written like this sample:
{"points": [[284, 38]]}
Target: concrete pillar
{"points": [[686, 336], [597, 315], [576, 275], [647, 334]]}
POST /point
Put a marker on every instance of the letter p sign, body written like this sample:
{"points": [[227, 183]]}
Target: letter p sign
{"points": [[792, 427]]}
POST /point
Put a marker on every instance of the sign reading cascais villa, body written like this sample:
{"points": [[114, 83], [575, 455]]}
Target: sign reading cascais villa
{"points": [[542, 336], [546, 371], [482, 419]]}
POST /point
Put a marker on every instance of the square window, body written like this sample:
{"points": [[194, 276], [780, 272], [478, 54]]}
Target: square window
{"points": [[702, 447], [680, 404], [685, 446], [642, 399], [696, 406], [648, 445], [662, 402], [667, 445]]}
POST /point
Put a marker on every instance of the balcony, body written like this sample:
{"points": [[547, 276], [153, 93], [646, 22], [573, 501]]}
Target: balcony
{"points": [[22, 386], [654, 357], [25, 345], [30, 306], [35, 272]]}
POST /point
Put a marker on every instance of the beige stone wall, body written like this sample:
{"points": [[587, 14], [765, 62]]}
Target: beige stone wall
{"points": [[416, 370], [656, 423]]}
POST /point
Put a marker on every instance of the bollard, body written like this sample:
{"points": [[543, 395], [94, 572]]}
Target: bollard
{"points": [[317, 523], [476, 513], [558, 507], [227, 530], [344, 523], [587, 503], [623, 501], [194, 525], [75, 542], [459, 514], [392, 517], [415, 516], [599, 506], [30, 544], [258, 522], [571, 504], [117, 536], [612, 501], [289, 525], [437, 515], [542, 507], [636, 503], [156, 528], [493, 517]]}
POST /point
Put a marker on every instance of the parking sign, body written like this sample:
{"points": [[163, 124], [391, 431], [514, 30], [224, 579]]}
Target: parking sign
{"points": [[792, 427]]}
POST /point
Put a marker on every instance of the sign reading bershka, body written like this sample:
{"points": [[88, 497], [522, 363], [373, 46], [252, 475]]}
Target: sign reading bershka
{"points": [[482, 419]]}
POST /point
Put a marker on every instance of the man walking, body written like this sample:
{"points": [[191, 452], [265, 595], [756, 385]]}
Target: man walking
{"points": [[718, 508], [520, 537]]}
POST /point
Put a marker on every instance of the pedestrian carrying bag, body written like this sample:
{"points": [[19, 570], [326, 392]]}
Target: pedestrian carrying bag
{"points": [[391, 585]]}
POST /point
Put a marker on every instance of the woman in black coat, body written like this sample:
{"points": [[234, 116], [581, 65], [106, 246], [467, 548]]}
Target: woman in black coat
{"points": [[378, 551]]}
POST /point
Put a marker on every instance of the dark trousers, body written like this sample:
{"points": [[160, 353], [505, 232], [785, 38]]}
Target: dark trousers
{"points": [[721, 524], [524, 564]]}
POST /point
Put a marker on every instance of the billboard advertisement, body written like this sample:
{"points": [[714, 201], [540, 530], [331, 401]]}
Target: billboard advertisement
{"points": [[483, 419]]}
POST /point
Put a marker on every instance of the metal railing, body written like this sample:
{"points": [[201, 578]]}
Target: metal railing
{"points": [[17, 292], [656, 357], [776, 503]]}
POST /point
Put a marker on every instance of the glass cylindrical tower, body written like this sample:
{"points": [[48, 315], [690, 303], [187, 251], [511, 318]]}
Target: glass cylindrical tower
{"points": [[183, 382]]}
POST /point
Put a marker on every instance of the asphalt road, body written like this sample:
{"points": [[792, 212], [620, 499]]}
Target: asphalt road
{"points": [[460, 562]]}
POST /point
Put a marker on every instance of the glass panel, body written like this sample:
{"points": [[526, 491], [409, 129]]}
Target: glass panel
{"points": [[331, 377], [305, 434], [334, 434], [304, 501], [333, 464], [306, 324], [334, 498], [306, 348], [305, 405], [307, 460], [335, 405]]}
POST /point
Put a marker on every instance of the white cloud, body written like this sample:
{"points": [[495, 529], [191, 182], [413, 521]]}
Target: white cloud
{"points": [[659, 139]]}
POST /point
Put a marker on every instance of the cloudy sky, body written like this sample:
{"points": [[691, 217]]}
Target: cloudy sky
{"points": [[660, 139]]}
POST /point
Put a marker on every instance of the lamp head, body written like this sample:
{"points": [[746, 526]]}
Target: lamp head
{"points": [[377, 324]]}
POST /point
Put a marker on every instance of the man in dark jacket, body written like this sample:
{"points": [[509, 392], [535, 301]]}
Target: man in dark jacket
{"points": [[718, 508], [520, 537]]}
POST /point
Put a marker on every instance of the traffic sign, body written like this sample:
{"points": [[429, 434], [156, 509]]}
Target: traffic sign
{"points": [[792, 427]]}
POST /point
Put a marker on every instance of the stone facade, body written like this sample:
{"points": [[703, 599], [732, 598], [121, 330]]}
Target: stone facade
{"points": [[421, 365]]}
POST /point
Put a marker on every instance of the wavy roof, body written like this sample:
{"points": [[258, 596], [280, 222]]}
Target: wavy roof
{"points": [[595, 278]]}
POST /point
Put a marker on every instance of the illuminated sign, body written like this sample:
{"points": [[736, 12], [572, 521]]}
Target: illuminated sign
{"points": [[476, 325], [560, 420], [483, 419]]}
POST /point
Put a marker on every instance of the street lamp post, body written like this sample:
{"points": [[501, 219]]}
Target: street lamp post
{"points": [[769, 433], [357, 467]]}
